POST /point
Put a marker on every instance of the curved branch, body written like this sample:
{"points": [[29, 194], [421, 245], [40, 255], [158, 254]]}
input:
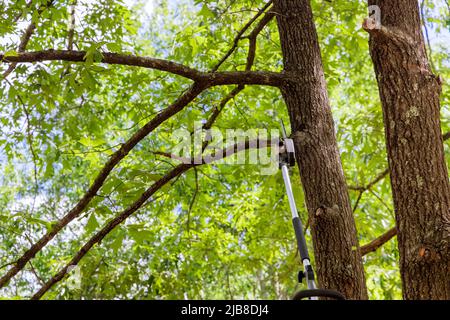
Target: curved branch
{"points": [[253, 36]]}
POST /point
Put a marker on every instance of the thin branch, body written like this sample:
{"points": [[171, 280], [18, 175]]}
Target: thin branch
{"points": [[7, 264], [91, 151], [389, 209], [33, 154], [25, 39], [357, 201], [239, 36], [71, 31], [38, 277], [378, 242], [191, 204], [253, 36], [377, 179], [250, 61], [19, 15], [217, 110], [427, 37]]}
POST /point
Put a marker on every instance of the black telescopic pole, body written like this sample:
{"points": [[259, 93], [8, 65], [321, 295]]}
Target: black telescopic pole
{"points": [[308, 272], [287, 159]]}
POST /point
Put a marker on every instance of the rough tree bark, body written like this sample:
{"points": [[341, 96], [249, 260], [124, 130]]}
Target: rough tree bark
{"points": [[409, 93], [336, 249]]}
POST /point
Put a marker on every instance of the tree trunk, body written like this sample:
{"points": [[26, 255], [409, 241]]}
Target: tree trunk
{"points": [[409, 94], [336, 249]]}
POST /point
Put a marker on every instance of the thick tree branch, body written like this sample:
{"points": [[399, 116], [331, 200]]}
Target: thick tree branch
{"points": [[212, 78], [378, 242]]}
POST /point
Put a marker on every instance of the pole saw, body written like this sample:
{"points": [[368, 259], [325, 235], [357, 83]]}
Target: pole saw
{"points": [[287, 159]]}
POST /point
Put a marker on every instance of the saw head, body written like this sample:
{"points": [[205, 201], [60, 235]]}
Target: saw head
{"points": [[287, 150]]}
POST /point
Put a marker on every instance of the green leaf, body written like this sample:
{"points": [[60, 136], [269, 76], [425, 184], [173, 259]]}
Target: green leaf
{"points": [[92, 223], [117, 243], [11, 53], [139, 236], [205, 12], [114, 47], [91, 142]]}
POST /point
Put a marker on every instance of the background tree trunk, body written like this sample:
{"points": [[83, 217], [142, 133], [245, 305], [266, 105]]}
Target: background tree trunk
{"points": [[410, 99], [337, 254]]}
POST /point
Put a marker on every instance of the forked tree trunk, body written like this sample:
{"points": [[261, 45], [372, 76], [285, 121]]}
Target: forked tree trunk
{"points": [[409, 94], [336, 250]]}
